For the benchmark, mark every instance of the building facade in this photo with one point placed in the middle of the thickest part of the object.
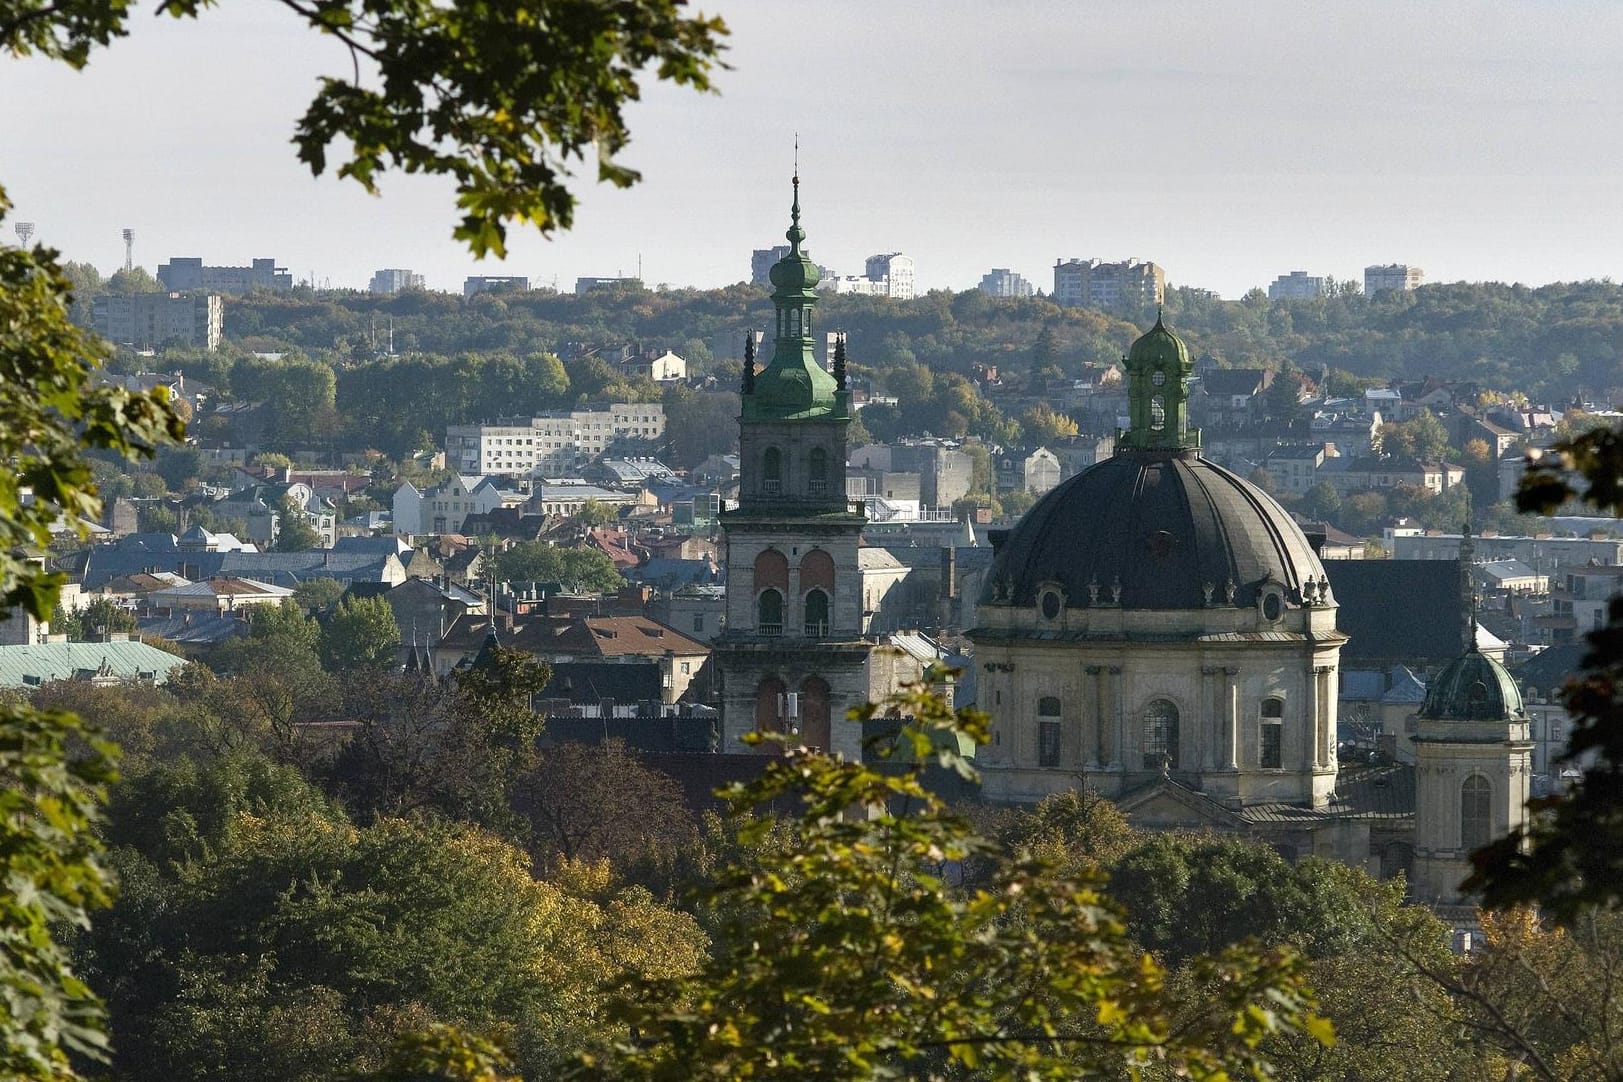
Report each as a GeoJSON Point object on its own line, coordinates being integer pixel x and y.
{"type": "Point", "coordinates": [896, 271]}
{"type": "Point", "coordinates": [793, 658]}
{"type": "Point", "coordinates": [152, 320]}
{"type": "Point", "coordinates": [1296, 286]}
{"type": "Point", "coordinates": [1002, 282]}
{"type": "Point", "coordinates": [394, 280]}
{"type": "Point", "coordinates": [1090, 283]}
{"type": "Point", "coordinates": [185, 274]}
{"type": "Point", "coordinates": [553, 444]}
{"type": "Point", "coordinates": [1390, 276]}
{"type": "Point", "coordinates": [494, 283]}
{"type": "Point", "coordinates": [1156, 619]}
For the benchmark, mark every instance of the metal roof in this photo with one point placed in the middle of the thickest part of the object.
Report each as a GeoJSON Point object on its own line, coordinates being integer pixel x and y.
{"type": "Point", "coordinates": [39, 663]}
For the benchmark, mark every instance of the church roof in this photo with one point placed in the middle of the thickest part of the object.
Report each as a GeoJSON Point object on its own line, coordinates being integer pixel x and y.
{"type": "Point", "coordinates": [1473, 687]}
{"type": "Point", "coordinates": [1397, 610]}
{"type": "Point", "coordinates": [1168, 527]}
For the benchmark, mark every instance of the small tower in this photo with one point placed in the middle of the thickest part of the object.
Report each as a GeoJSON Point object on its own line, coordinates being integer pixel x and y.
{"type": "Point", "coordinates": [1158, 370]}
{"type": "Point", "coordinates": [1473, 766]}
{"type": "Point", "coordinates": [794, 656]}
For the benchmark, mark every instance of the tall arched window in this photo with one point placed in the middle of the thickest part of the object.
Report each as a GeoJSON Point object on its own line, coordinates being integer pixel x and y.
{"type": "Point", "coordinates": [771, 569]}
{"type": "Point", "coordinates": [1158, 413]}
{"type": "Point", "coordinates": [1476, 812]}
{"type": "Point", "coordinates": [816, 613]}
{"type": "Point", "coordinates": [1161, 735]}
{"type": "Point", "coordinates": [1048, 731]}
{"type": "Point", "coordinates": [772, 472]}
{"type": "Point", "coordinates": [817, 472]}
{"type": "Point", "coordinates": [816, 729]}
{"type": "Point", "coordinates": [1271, 734]}
{"type": "Point", "coordinates": [769, 613]}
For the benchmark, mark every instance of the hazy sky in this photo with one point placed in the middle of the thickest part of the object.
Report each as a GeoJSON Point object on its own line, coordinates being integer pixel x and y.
{"type": "Point", "coordinates": [1227, 141]}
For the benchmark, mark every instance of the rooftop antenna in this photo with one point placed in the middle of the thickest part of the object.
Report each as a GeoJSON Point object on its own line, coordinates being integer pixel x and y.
{"type": "Point", "coordinates": [25, 230]}
{"type": "Point", "coordinates": [129, 250]}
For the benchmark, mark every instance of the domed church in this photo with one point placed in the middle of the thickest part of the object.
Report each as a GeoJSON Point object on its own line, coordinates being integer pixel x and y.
{"type": "Point", "coordinates": [1158, 630]}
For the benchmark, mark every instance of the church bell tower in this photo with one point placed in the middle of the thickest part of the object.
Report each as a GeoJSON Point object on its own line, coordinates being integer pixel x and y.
{"type": "Point", "coordinates": [793, 658]}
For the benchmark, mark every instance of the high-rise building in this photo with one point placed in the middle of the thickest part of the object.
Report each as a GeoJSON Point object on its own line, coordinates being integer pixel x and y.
{"type": "Point", "coordinates": [494, 283]}
{"type": "Point", "coordinates": [1389, 276]}
{"type": "Point", "coordinates": [1002, 282]}
{"type": "Point", "coordinates": [151, 320]}
{"type": "Point", "coordinates": [1295, 286]}
{"type": "Point", "coordinates": [895, 270]}
{"type": "Point", "coordinates": [762, 261]}
{"type": "Point", "coordinates": [1089, 283]}
{"type": "Point", "coordinates": [394, 281]}
{"type": "Point", "coordinates": [183, 274]}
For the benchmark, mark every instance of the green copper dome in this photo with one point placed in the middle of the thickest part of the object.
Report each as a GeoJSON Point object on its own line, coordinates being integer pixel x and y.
{"type": "Point", "coordinates": [1473, 688]}
{"type": "Point", "coordinates": [1159, 347]}
{"type": "Point", "coordinates": [794, 386]}
{"type": "Point", "coordinates": [1158, 393]}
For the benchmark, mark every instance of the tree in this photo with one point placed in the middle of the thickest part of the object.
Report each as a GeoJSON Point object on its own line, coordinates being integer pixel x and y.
{"type": "Point", "coordinates": [318, 595]}
{"type": "Point", "coordinates": [594, 513]}
{"type": "Point", "coordinates": [293, 530]}
{"type": "Point", "coordinates": [360, 634]}
{"type": "Point", "coordinates": [577, 569]}
{"type": "Point", "coordinates": [845, 954]}
{"type": "Point", "coordinates": [1043, 424]}
{"type": "Point", "coordinates": [500, 105]}
{"type": "Point", "coordinates": [177, 465]}
{"type": "Point", "coordinates": [599, 802]}
{"type": "Point", "coordinates": [134, 280]}
{"type": "Point", "coordinates": [96, 617]}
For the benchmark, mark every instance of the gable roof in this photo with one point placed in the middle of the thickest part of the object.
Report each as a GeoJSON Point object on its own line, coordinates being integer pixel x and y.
{"type": "Point", "coordinates": [1373, 593]}
{"type": "Point", "coordinates": [37, 663]}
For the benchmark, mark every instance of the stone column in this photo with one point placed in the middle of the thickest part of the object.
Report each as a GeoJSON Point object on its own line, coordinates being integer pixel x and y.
{"type": "Point", "coordinates": [1118, 751]}
{"type": "Point", "coordinates": [1093, 713]}
{"type": "Point", "coordinates": [1231, 702]}
{"type": "Point", "coordinates": [1311, 735]}
{"type": "Point", "coordinates": [1327, 738]}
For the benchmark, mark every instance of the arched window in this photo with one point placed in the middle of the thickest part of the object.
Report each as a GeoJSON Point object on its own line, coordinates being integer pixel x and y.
{"type": "Point", "coordinates": [816, 613]}
{"type": "Point", "coordinates": [1048, 731]}
{"type": "Point", "coordinates": [769, 703]}
{"type": "Point", "coordinates": [816, 729]}
{"type": "Point", "coordinates": [1161, 736]}
{"type": "Point", "coordinates": [772, 472]}
{"type": "Point", "coordinates": [817, 472]}
{"type": "Point", "coordinates": [769, 613]}
{"type": "Point", "coordinates": [1271, 734]}
{"type": "Point", "coordinates": [1476, 812]}
{"type": "Point", "coordinates": [1158, 413]}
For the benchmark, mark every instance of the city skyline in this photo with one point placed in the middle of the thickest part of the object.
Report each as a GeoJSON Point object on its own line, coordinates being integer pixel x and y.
{"type": "Point", "coordinates": [1229, 149]}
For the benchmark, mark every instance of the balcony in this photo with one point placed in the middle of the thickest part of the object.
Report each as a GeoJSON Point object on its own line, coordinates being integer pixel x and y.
{"type": "Point", "coordinates": [817, 630]}
{"type": "Point", "coordinates": [770, 630]}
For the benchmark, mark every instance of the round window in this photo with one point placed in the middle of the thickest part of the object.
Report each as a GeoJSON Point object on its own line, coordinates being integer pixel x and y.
{"type": "Point", "coordinates": [1158, 377]}
{"type": "Point", "coordinates": [1050, 605]}
{"type": "Point", "coordinates": [1272, 606]}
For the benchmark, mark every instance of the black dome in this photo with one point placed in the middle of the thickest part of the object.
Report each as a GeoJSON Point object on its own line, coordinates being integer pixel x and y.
{"type": "Point", "coordinates": [1473, 688]}
{"type": "Point", "coordinates": [1168, 526]}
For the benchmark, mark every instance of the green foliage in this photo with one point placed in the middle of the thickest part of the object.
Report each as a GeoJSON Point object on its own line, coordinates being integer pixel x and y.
{"type": "Point", "coordinates": [360, 634]}
{"type": "Point", "coordinates": [287, 620]}
{"type": "Point", "coordinates": [293, 530]}
{"type": "Point", "coordinates": [318, 595]}
{"type": "Point", "coordinates": [443, 1053]}
{"type": "Point", "coordinates": [177, 465]}
{"type": "Point", "coordinates": [264, 938]}
{"type": "Point", "coordinates": [97, 615]}
{"type": "Point", "coordinates": [579, 570]}
{"type": "Point", "coordinates": [846, 954]}
{"type": "Point", "coordinates": [49, 805]}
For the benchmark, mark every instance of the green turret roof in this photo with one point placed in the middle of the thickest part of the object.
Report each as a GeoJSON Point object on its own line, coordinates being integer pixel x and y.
{"type": "Point", "coordinates": [1158, 372]}
{"type": "Point", "coordinates": [1473, 687]}
{"type": "Point", "coordinates": [793, 386]}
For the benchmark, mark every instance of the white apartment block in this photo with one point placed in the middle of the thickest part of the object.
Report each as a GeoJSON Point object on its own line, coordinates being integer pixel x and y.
{"type": "Point", "coordinates": [1002, 282]}
{"type": "Point", "coordinates": [1296, 286]}
{"type": "Point", "coordinates": [394, 280]}
{"type": "Point", "coordinates": [896, 271]}
{"type": "Point", "coordinates": [1391, 276]}
{"type": "Point", "coordinates": [553, 444]}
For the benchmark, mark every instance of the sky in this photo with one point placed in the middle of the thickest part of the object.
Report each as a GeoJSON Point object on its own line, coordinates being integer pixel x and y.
{"type": "Point", "coordinates": [1230, 142]}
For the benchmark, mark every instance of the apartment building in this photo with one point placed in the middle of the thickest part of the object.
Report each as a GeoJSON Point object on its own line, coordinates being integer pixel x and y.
{"type": "Point", "coordinates": [151, 320]}
{"type": "Point", "coordinates": [184, 274]}
{"type": "Point", "coordinates": [553, 444]}
{"type": "Point", "coordinates": [1090, 283]}
{"type": "Point", "coordinates": [1390, 276]}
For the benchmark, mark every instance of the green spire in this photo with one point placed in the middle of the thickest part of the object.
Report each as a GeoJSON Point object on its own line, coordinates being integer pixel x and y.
{"type": "Point", "coordinates": [793, 385]}
{"type": "Point", "coordinates": [1158, 370]}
